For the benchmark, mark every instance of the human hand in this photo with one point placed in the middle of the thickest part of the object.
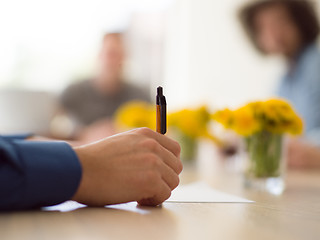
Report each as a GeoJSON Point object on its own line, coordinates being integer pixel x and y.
{"type": "Point", "coordinates": [302, 155]}
{"type": "Point", "coordinates": [139, 165]}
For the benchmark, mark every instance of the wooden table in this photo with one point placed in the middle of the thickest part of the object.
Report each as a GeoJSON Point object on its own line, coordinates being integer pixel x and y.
{"type": "Point", "coordinates": [294, 215]}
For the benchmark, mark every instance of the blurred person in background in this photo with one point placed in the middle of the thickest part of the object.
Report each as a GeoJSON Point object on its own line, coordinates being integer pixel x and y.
{"type": "Point", "coordinates": [290, 28]}
{"type": "Point", "coordinates": [92, 103]}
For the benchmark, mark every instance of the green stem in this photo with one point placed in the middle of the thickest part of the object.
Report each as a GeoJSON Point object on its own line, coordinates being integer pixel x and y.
{"type": "Point", "coordinates": [265, 153]}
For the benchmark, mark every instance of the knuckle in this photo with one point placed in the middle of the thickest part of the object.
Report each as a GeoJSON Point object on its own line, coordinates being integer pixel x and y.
{"type": "Point", "coordinates": [151, 176]}
{"type": "Point", "coordinates": [177, 147]}
{"type": "Point", "coordinates": [151, 144]}
{"type": "Point", "coordinates": [153, 161]}
{"type": "Point", "coordinates": [144, 131]}
{"type": "Point", "coordinates": [180, 166]}
{"type": "Point", "coordinates": [167, 195]}
{"type": "Point", "coordinates": [175, 183]}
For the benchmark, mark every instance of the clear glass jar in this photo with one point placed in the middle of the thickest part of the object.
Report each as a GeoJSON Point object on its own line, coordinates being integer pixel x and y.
{"type": "Point", "coordinates": [265, 162]}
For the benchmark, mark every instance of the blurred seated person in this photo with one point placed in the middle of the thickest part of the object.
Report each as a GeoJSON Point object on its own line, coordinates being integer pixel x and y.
{"type": "Point", "coordinates": [290, 28]}
{"type": "Point", "coordinates": [91, 103]}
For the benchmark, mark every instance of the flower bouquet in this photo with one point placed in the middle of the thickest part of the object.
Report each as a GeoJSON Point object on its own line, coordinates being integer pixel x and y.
{"type": "Point", "coordinates": [263, 125]}
{"type": "Point", "coordinates": [186, 125]}
{"type": "Point", "coordinates": [190, 125]}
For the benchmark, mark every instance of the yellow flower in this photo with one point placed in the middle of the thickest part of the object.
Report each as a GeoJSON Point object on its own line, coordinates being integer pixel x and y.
{"type": "Point", "coordinates": [256, 107]}
{"type": "Point", "coordinates": [245, 122]}
{"type": "Point", "coordinates": [242, 120]}
{"type": "Point", "coordinates": [191, 122]}
{"type": "Point", "coordinates": [280, 117]}
{"type": "Point", "coordinates": [224, 117]}
{"type": "Point", "coordinates": [273, 115]}
{"type": "Point", "coordinates": [296, 127]}
{"type": "Point", "coordinates": [136, 114]}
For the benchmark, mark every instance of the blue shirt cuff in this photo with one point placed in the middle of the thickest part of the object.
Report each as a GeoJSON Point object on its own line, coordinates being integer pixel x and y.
{"type": "Point", "coordinates": [52, 172]}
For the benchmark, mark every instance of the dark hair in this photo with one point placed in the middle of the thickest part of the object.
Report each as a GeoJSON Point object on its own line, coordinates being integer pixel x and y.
{"type": "Point", "coordinates": [302, 13]}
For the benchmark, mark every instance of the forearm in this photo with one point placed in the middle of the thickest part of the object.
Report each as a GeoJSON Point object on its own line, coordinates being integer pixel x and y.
{"type": "Point", "coordinates": [303, 154]}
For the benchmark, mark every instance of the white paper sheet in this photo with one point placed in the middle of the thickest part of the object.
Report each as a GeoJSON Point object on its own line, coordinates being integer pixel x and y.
{"type": "Point", "coordinates": [201, 192]}
{"type": "Point", "coordinates": [197, 192]}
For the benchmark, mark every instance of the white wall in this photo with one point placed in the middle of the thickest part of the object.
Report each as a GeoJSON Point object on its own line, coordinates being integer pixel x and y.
{"type": "Point", "coordinates": [44, 45]}
{"type": "Point", "coordinates": [209, 59]}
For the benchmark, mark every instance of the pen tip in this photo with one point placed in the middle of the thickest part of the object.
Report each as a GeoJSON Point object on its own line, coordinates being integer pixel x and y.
{"type": "Point", "coordinates": [159, 91]}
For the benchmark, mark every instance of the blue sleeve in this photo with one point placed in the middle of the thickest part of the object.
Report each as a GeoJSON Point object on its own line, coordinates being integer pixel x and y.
{"type": "Point", "coordinates": [36, 174]}
{"type": "Point", "coordinates": [312, 109]}
{"type": "Point", "coordinates": [17, 136]}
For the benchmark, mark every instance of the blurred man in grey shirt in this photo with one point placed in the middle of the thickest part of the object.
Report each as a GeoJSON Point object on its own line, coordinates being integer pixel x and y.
{"type": "Point", "coordinates": [92, 103]}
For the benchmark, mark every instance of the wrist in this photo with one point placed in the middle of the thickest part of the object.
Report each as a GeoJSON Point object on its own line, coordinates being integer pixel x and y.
{"type": "Point", "coordinates": [78, 193]}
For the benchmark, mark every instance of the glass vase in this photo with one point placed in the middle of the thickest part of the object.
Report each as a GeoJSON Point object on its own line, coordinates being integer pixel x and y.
{"type": "Point", "coordinates": [266, 162]}
{"type": "Point", "coordinates": [189, 146]}
{"type": "Point", "coordinates": [188, 149]}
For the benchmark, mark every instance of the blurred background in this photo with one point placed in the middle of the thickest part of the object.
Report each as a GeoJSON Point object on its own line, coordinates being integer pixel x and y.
{"type": "Point", "coordinates": [195, 49]}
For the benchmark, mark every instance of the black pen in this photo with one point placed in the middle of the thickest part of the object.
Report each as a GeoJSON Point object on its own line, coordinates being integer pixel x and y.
{"type": "Point", "coordinates": [161, 111]}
